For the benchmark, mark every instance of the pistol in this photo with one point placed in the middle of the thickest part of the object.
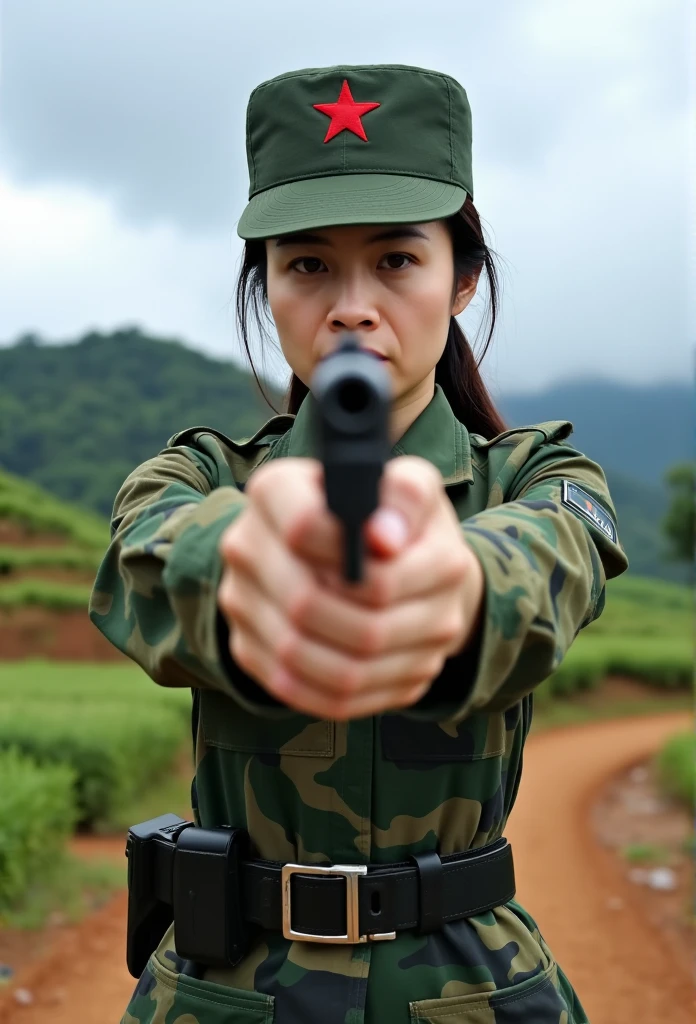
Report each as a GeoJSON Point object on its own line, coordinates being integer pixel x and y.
{"type": "Point", "coordinates": [352, 390]}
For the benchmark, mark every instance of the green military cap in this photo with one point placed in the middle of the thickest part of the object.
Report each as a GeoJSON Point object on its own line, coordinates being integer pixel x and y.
{"type": "Point", "coordinates": [364, 144]}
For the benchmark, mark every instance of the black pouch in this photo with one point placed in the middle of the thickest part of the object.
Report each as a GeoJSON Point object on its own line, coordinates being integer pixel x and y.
{"type": "Point", "coordinates": [150, 851]}
{"type": "Point", "coordinates": [179, 872]}
{"type": "Point", "coordinates": [209, 924]}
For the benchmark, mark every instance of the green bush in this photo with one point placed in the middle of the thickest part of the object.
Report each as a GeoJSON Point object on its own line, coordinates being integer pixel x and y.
{"type": "Point", "coordinates": [68, 557]}
{"type": "Point", "coordinates": [644, 607]}
{"type": "Point", "coordinates": [114, 750]}
{"type": "Point", "coordinates": [660, 661]}
{"type": "Point", "coordinates": [38, 511]}
{"type": "Point", "coordinates": [37, 680]}
{"type": "Point", "coordinates": [37, 815]}
{"type": "Point", "coordinates": [676, 767]}
{"type": "Point", "coordinates": [58, 596]}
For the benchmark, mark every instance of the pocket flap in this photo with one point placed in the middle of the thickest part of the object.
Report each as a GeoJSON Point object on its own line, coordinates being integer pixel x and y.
{"type": "Point", "coordinates": [227, 725]}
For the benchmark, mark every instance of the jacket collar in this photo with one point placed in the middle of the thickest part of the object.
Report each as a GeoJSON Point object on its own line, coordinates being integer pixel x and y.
{"type": "Point", "coordinates": [436, 434]}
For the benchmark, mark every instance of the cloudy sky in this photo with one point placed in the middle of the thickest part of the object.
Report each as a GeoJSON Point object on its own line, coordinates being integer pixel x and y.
{"type": "Point", "coordinates": [123, 169]}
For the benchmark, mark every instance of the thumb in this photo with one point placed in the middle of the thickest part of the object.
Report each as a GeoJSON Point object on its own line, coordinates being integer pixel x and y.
{"type": "Point", "coordinates": [409, 493]}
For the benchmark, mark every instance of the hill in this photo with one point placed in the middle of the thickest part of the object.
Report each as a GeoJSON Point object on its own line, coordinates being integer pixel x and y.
{"type": "Point", "coordinates": [636, 430]}
{"type": "Point", "coordinates": [77, 418]}
{"type": "Point", "coordinates": [49, 555]}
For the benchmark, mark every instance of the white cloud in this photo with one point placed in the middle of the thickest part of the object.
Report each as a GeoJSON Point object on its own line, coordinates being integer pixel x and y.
{"type": "Point", "coordinates": [67, 264]}
{"type": "Point", "coordinates": [581, 165]}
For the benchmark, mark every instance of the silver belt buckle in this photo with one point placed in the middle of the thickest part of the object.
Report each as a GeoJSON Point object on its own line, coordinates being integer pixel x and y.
{"type": "Point", "coordinates": [351, 873]}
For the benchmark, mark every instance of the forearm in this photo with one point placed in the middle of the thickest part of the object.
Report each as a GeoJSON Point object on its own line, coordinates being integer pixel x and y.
{"type": "Point", "coordinates": [155, 594]}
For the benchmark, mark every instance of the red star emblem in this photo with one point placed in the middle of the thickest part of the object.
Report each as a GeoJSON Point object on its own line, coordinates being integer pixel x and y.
{"type": "Point", "coordinates": [345, 114]}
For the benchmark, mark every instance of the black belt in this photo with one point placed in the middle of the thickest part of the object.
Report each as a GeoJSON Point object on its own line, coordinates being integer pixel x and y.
{"type": "Point", "coordinates": [204, 876]}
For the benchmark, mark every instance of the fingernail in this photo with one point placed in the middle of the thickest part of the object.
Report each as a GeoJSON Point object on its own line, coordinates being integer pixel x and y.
{"type": "Point", "coordinates": [392, 526]}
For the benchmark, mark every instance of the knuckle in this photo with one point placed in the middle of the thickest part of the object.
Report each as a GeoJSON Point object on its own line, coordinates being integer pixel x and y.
{"type": "Point", "coordinates": [450, 628]}
{"type": "Point", "coordinates": [237, 552]}
{"type": "Point", "coordinates": [381, 591]}
{"type": "Point", "coordinates": [459, 563]}
{"type": "Point", "coordinates": [228, 600]}
{"type": "Point", "coordinates": [261, 481]}
{"type": "Point", "coordinates": [432, 668]}
{"type": "Point", "coordinates": [372, 636]}
{"type": "Point", "coordinates": [347, 681]}
{"type": "Point", "coordinates": [288, 648]}
{"type": "Point", "coordinates": [240, 649]}
{"type": "Point", "coordinates": [412, 694]}
{"type": "Point", "coordinates": [301, 603]}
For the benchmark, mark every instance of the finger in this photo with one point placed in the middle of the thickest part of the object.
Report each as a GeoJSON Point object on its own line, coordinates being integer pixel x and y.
{"type": "Point", "coordinates": [247, 607]}
{"type": "Point", "coordinates": [251, 655]}
{"type": "Point", "coordinates": [289, 494]}
{"type": "Point", "coordinates": [300, 696]}
{"type": "Point", "coordinates": [365, 632]}
{"type": "Point", "coordinates": [410, 490]}
{"type": "Point", "coordinates": [437, 561]}
{"type": "Point", "coordinates": [258, 553]}
{"type": "Point", "coordinates": [345, 675]}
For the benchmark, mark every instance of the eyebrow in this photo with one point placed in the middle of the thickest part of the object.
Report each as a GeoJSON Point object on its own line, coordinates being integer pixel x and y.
{"type": "Point", "coordinates": [303, 238]}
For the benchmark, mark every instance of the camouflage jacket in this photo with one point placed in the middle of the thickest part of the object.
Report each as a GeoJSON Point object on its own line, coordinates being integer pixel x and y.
{"type": "Point", "coordinates": [444, 774]}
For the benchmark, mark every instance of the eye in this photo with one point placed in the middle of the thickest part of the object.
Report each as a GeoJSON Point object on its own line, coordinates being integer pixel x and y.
{"type": "Point", "coordinates": [308, 265]}
{"type": "Point", "coordinates": [396, 260]}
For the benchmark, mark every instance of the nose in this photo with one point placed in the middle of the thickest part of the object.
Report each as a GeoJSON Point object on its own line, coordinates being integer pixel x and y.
{"type": "Point", "coordinates": [352, 309]}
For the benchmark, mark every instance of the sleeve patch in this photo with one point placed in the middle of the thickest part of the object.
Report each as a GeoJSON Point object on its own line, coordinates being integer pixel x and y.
{"type": "Point", "coordinates": [581, 502]}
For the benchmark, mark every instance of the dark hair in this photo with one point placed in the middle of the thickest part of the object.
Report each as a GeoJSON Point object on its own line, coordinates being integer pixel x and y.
{"type": "Point", "coordinates": [457, 369]}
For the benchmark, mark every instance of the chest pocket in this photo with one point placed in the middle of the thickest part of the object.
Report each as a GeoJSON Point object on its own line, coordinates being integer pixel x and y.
{"type": "Point", "coordinates": [479, 736]}
{"type": "Point", "coordinates": [227, 725]}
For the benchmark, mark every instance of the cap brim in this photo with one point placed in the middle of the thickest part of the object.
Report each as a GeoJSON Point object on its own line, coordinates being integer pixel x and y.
{"type": "Point", "coordinates": [348, 199]}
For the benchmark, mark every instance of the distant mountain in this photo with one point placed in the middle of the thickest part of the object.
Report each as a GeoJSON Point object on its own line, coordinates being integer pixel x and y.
{"type": "Point", "coordinates": [77, 418]}
{"type": "Point", "coordinates": [640, 508]}
{"type": "Point", "coordinates": [637, 431]}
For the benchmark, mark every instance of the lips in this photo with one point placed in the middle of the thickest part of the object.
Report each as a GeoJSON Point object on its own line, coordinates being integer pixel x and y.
{"type": "Point", "coordinates": [374, 353]}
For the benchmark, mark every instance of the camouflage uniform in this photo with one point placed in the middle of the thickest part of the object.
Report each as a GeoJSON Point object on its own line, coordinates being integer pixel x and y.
{"type": "Point", "coordinates": [442, 775]}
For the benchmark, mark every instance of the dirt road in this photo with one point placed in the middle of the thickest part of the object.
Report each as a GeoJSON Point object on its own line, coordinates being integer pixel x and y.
{"type": "Point", "coordinates": [617, 964]}
{"type": "Point", "coordinates": [620, 971]}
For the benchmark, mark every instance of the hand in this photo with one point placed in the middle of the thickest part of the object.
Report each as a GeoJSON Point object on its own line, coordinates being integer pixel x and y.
{"type": "Point", "coordinates": [339, 650]}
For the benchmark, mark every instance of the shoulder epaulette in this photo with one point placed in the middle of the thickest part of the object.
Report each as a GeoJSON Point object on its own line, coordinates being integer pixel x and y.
{"type": "Point", "coordinates": [275, 427]}
{"type": "Point", "coordinates": [553, 430]}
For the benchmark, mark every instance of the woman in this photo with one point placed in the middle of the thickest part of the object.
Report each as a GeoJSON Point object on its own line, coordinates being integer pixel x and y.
{"type": "Point", "coordinates": [380, 725]}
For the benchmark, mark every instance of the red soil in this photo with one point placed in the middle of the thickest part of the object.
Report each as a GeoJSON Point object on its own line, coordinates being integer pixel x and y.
{"type": "Point", "coordinates": [34, 632]}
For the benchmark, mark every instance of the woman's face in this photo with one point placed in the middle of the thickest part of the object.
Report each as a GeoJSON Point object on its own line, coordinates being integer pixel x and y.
{"type": "Point", "coordinates": [393, 286]}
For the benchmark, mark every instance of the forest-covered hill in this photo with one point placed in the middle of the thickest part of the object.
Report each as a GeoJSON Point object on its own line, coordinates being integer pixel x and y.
{"type": "Point", "coordinates": [77, 418]}
{"type": "Point", "coordinates": [636, 430]}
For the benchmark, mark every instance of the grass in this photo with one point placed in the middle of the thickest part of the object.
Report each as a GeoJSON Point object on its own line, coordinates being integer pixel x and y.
{"type": "Point", "coordinates": [578, 710]}
{"type": "Point", "coordinates": [644, 607]}
{"type": "Point", "coordinates": [172, 793]}
{"type": "Point", "coordinates": [662, 661]}
{"type": "Point", "coordinates": [37, 679]}
{"type": "Point", "coordinates": [39, 512]}
{"type": "Point", "coordinates": [68, 557]}
{"type": "Point", "coordinates": [645, 853]}
{"type": "Point", "coordinates": [72, 887]}
{"type": "Point", "coordinates": [45, 594]}
{"type": "Point", "coordinates": [676, 768]}
{"type": "Point", "coordinates": [120, 731]}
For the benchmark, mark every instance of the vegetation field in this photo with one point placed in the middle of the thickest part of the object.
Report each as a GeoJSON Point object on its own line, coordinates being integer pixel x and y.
{"type": "Point", "coordinates": [676, 768]}
{"type": "Point", "coordinates": [645, 632]}
{"type": "Point", "coordinates": [81, 746]}
{"type": "Point", "coordinates": [38, 511]}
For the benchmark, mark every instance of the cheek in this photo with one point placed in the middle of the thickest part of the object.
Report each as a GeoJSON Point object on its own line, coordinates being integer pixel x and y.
{"type": "Point", "coordinates": [423, 318]}
{"type": "Point", "coordinates": [294, 322]}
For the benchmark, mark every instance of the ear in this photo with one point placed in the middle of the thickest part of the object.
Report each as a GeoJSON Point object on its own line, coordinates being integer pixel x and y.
{"type": "Point", "coordinates": [466, 289]}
